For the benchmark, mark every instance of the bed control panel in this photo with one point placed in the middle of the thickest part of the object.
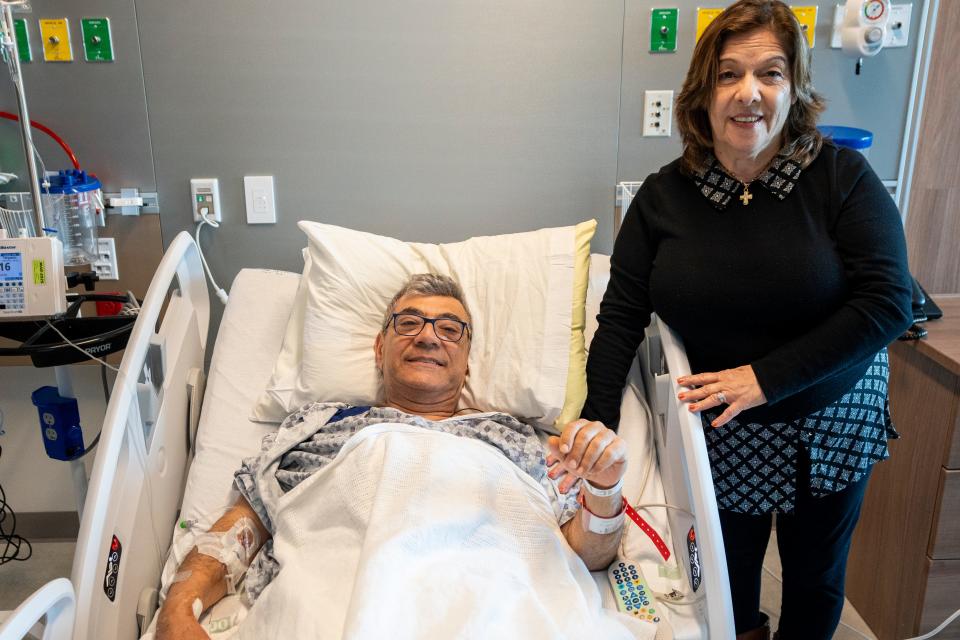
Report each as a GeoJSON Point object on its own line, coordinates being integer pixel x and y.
{"type": "Point", "coordinates": [632, 592]}
{"type": "Point", "coordinates": [113, 569]}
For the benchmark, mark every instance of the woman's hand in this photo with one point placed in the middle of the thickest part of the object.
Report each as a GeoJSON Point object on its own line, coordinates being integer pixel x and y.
{"type": "Point", "coordinates": [587, 450]}
{"type": "Point", "coordinates": [737, 388]}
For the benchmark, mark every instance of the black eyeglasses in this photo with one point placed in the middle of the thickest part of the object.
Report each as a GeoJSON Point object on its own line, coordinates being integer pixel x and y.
{"type": "Point", "coordinates": [447, 329]}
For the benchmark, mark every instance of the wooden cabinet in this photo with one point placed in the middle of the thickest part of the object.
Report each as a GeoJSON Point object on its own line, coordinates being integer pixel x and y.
{"type": "Point", "coordinates": [903, 575]}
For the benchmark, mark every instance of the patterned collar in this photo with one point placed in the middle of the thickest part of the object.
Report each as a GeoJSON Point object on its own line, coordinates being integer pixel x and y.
{"type": "Point", "coordinates": [719, 187]}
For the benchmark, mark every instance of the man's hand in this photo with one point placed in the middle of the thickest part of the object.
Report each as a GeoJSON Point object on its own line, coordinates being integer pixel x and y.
{"type": "Point", "coordinates": [587, 450]}
{"type": "Point", "coordinates": [177, 622]}
{"type": "Point", "coordinates": [737, 388]}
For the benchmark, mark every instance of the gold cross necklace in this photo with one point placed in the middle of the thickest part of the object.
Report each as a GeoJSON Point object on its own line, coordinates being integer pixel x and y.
{"type": "Point", "coordinates": [746, 196]}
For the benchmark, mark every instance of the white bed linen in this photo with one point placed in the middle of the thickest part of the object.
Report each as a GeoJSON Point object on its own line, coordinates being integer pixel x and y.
{"type": "Point", "coordinates": [475, 554]}
{"type": "Point", "coordinates": [248, 343]}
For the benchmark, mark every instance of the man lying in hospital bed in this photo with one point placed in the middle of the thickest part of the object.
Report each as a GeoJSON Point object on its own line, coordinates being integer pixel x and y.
{"type": "Point", "coordinates": [413, 519]}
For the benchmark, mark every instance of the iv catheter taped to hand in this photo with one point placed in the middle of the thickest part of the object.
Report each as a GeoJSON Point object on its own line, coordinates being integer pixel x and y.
{"type": "Point", "coordinates": [234, 549]}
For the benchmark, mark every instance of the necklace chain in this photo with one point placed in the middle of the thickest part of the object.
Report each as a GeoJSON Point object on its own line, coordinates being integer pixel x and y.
{"type": "Point", "coordinates": [746, 196]}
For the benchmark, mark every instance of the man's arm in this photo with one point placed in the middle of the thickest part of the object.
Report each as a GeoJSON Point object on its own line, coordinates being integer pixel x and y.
{"type": "Point", "coordinates": [597, 550]}
{"type": "Point", "coordinates": [591, 452]}
{"type": "Point", "coordinates": [203, 577]}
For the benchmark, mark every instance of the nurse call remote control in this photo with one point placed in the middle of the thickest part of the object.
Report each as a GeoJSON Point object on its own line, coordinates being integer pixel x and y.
{"type": "Point", "coordinates": [632, 592]}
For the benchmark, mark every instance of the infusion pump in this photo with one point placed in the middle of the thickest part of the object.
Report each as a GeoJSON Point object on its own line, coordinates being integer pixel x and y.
{"type": "Point", "coordinates": [32, 282]}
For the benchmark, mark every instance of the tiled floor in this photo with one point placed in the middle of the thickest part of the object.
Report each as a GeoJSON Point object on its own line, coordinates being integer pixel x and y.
{"type": "Point", "coordinates": [852, 626]}
{"type": "Point", "coordinates": [53, 559]}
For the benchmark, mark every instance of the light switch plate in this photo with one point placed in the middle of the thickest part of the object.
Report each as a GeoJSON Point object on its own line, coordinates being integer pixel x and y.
{"type": "Point", "coordinates": [261, 201]}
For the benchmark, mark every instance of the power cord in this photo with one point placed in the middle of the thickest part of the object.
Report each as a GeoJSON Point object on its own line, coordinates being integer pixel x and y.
{"type": "Point", "coordinates": [674, 598]}
{"type": "Point", "coordinates": [106, 400]}
{"type": "Point", "coordinates": [79, 348]}
{"type": "Point", "coordinates": [204, 220]}
{"type": "Point", "coordinates": [10, 541]}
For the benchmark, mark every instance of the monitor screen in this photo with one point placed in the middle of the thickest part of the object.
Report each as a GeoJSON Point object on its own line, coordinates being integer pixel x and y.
{"type": "Point", "coordinates": [11, 266]}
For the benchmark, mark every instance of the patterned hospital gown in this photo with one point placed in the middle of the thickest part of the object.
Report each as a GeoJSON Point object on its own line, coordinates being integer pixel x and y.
{"type": "Point", "coordinates": [517, 441]}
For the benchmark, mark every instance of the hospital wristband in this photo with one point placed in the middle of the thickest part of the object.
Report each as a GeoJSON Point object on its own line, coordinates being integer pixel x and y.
{"type": "Point", "coordinates": [596, 524]}
{"type": "Point", "coordinates": [603, 493]}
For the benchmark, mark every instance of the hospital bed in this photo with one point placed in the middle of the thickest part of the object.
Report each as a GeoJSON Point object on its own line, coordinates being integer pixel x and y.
{"type": "Point", "coordinates": [165, 467]}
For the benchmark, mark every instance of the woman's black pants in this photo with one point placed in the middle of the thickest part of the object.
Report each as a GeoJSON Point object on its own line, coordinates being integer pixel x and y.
{"type": "Point", "coordinates": [813, 542]}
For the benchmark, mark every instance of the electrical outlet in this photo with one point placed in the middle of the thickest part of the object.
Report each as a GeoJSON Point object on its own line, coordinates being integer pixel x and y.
{"type": "Point", "coordinates": [657, 113]}
{"type": "Point", "coordinates": [106, 264]}
{"type": "Point", "coordinates": [205, 196]}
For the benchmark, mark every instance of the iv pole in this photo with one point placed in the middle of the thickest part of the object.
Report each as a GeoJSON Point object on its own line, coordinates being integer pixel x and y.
{"type": "Point", "coordinates": [11, 53]}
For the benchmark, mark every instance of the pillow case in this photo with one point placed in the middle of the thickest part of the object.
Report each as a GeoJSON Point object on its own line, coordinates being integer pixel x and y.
{"type": "Point", "coordinates": [274, 403]}
{"type": "Point", "coordinates": [528, 324]}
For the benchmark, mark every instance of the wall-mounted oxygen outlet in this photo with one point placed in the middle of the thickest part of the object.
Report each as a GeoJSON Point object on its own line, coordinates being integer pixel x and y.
{"type": "Point", "coordinates": [205, 198]}
{"type": "Point", "coordinates": [898, 26]}
{"type": "Point", "coordinates": [106, 263]}
{"type": "Point", "coordinates": [657, 113]}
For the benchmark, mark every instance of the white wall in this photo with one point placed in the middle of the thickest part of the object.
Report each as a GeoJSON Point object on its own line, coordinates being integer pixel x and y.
{"type": "Point", "coordinates": [32, 481]}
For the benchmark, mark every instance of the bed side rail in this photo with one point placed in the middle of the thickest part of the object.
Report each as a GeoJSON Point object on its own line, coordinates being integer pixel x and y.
{"type": "Point", "coordinates": [683, 454]}
{"type": "Point", "coordinates": [139, 472]}
{"type": "Point", "coordinates": [55, 602]}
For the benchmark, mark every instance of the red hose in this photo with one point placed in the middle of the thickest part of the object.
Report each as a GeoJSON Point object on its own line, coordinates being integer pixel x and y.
{"type": "Point", "coordinates": [50, 132]}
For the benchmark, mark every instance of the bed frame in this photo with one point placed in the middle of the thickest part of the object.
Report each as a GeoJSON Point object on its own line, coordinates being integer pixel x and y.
{"type": "Point", "coordinates": [139, 473]}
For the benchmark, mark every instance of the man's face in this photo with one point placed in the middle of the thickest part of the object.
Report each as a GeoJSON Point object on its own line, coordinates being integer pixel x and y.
{"type": "Point", "coordinates": [424, 367]}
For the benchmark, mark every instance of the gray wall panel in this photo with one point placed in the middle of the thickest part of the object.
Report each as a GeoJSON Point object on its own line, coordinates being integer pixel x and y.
{"type": "Point", "coordinates": [877, 99]}
{"type": "Point", "coordinates": [98, 108]}
{"type": "Point", "coordinates": [430, 121]}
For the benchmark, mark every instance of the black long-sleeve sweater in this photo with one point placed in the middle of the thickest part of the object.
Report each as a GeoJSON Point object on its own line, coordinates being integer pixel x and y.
{"type": "Point", "coordinates": [806, 290]}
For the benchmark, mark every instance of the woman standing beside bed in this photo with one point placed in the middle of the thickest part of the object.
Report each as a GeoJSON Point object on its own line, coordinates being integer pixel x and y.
{"type": "Point", "coordinates": [780, 261]}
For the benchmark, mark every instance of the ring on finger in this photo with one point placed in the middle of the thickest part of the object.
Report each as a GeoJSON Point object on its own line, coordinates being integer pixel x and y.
{"type": "Point", "coordinates": [721, 397]}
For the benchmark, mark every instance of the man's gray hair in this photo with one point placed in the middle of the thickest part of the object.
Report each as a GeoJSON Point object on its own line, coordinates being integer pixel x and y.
{"type": "Point", "coordinates": [427, 284]}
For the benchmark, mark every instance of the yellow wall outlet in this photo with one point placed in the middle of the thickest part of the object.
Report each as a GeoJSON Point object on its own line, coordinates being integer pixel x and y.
{"type": "Point", "coordinates": [808, 20]}
{"type": "Point", "coordinates": [704, 17]}
{"type": "Point", "coordinates": [56, 40]}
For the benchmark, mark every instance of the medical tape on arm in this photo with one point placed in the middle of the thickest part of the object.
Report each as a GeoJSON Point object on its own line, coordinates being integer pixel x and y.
{"type": "Point", "coordinates": [234, 549]}
{"type": "Point", "coordinates": [182, 576]}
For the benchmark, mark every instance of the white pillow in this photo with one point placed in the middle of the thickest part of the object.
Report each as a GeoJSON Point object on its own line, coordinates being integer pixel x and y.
{"type": "Point", "coordinates": [519, 290]}
{"type": "Point", "coordinates": [273, 403]}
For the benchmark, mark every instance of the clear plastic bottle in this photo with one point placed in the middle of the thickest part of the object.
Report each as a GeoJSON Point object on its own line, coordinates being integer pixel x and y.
{"type": "Point", "coordinates": [69, 207]}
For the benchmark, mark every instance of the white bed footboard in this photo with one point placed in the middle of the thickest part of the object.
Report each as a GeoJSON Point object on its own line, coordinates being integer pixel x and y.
{"type": "Point", "coordinates": [138, 476]}
{"type": "Point", "coordinates": [685, 472]}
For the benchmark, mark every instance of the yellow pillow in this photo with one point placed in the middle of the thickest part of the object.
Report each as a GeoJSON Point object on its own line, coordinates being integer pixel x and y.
{"type": "Point", "coordinates": [577, 369]}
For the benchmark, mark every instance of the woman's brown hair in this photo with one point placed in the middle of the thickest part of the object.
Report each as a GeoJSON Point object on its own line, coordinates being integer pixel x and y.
{"type": "Point", "coordinates": [802, 141]}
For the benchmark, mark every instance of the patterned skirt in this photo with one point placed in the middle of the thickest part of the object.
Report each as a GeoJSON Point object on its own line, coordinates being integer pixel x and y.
{"type": "Point", "coordinates": [754, 465]}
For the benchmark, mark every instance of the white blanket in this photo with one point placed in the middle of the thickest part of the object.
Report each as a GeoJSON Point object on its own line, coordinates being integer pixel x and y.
{"type": "Point", "coordinates": [412, 533]}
